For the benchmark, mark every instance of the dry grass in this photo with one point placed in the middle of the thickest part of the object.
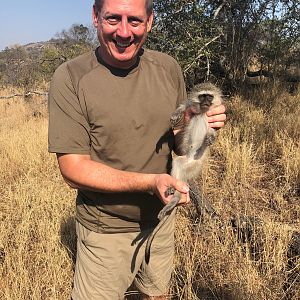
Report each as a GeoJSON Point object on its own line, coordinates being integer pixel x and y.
{"type": "Point", "coordinates": [254, 174]}
{"type": "Point", "coordinates": [35, 207]}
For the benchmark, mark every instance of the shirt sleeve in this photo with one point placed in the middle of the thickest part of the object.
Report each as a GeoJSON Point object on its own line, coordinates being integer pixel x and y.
{"type": "Point", "coordinates": [179, 82]}
{"type": "Point", "coordinates": [68, 130]}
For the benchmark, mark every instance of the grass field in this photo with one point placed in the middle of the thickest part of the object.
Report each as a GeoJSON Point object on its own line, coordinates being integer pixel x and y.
{"type": "Point", "coordinates": [252, 180]}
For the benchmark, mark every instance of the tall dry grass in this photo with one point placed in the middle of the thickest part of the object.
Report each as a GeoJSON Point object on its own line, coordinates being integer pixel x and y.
{"type": "Point", "coordinates": [36, 207]}
{"type": "Point", "coordinates": [253, 175]}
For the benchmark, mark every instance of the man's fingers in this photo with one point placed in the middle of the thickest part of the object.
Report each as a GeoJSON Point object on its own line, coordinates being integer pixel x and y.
{"type": "Point", "coordinates": [216, 116]}
{"type": "Point", "coordinates": [185, 199]}
{"type": "Point", "coordinates": [163, 183]}
{"type": "Point", "coordinates": [181, 186]}
{"type": "Point", "coordinates": [217, 110]}
{"type": "Point", "coordinates": [216, 125]}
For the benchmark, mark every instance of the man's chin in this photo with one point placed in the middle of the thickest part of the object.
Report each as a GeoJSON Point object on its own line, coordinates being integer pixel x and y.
{"type": "Point", "coordinates": [124, 59]}
{"type": "Point", "coordinates": [123, 55]}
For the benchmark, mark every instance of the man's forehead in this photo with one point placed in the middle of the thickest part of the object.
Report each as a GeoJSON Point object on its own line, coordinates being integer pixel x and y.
{"type": "Point", "coordinates": [130, 4]}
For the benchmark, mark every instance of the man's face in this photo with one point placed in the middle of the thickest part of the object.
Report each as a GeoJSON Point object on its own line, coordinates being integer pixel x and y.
{"type": "Point", "coordinates": [122, 27]}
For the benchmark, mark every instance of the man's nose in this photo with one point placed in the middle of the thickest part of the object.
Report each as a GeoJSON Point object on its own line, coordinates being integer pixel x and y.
{"type": "Point", "coordinates": [124, 29]}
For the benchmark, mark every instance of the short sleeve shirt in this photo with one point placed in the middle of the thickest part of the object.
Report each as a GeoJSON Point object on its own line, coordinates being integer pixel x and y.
{"type": "Point", "coordinates": [120, 118]}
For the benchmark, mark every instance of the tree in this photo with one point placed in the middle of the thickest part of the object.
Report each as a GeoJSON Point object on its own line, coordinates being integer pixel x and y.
{"type": "Point", "coordinates": [18, 67]}
{"type": "Point", "coordinates": [185, 30]}
{"type": "Point", "coordinates": [218, 39]}
{"type": "Point", "coordinates": [66, 45]}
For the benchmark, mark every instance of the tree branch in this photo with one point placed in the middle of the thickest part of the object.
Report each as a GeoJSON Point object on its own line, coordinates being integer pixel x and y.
{"type": "Point", "coordinates": [200, 54]}
{"type": "Point", "coordinates": [25, 95]}
{"type": "Point", "coordinates": [216, 12]}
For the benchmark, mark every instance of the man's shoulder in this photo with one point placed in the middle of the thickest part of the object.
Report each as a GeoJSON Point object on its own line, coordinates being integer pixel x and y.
{"type": "Point", "coordinates": [78, 66]}
{"type": "Point", "coordinates": [160, 59]}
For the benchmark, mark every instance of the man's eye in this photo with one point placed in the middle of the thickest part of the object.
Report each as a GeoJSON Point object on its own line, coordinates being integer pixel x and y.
{"type": "Point", "coordinates": [112, 20]}
{"type": "Point", "coordinates": [134, 22]}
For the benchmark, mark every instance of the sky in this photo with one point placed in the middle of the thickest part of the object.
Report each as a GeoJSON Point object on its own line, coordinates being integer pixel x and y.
{"type": "Point", "coordinates": [26, 21]}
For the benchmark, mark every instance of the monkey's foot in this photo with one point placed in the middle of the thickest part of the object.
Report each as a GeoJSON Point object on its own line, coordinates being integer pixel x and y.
{"type": "Point", "coordinates": [210, 139]}
{"type": "Point", "coordinates": [170, 191]}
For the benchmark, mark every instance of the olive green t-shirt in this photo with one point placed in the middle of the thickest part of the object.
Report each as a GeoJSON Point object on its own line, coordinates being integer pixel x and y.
{"type": "Point", "coordinates": [120, 118]}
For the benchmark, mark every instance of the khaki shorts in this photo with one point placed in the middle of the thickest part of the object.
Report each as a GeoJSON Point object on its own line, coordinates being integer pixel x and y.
{"type": "Point", "coordinates": [107, 264]}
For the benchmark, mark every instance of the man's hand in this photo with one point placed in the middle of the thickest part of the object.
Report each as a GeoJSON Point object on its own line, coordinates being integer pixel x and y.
{"type": "Point", "coordinates": [164, 181]}
{"type": "Point", "coordinates": [80, 172]}
{"type": "Point", "coordinates": [216, 117]}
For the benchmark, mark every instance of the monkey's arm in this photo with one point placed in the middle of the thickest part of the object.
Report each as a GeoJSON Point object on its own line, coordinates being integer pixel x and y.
{"type": "Point", "coordinates": [81, 172]}
{"type": "Point", "coordinates": [179, 120]}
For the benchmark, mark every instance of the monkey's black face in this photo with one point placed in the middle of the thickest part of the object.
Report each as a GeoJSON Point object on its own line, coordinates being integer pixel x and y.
{"type": "Point", "coordinates": [205, 101]}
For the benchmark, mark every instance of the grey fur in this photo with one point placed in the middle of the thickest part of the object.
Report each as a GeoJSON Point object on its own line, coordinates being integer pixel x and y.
{"type": "Point", "coordinates": [193, 145]}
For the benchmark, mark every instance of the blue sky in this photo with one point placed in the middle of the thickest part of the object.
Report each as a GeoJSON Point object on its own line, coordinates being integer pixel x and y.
{"type": "Point", "coordinates": [25, 21]}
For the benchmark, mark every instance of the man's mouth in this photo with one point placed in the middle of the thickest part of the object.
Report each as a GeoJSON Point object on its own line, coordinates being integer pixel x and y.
{"type": "Point", "coordinates": [123, 44]}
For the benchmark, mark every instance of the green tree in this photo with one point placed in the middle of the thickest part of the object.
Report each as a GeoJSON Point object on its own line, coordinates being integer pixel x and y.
{"type": "Point", "coordinates": [218, 39]}
{"type": "Point", "coordinates": [185, 30]}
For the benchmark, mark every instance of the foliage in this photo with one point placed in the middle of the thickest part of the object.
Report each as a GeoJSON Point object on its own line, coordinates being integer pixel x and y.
{"type": "Point", "coordinates": [220, 39]}
{"type": "Point", "coordinates": [185, 30]}
{"type": "Point", "coordinates": [280, 42]}
{"type": "Point", "coordinates": [27, 66]}
{"type": "Point", "coordinates": [17, 67]}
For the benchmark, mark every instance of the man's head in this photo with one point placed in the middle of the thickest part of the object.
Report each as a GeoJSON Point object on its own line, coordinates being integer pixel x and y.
{"type": "Point", "coordinates": [122, 27]}
{"type": "Point", "coordinates": [149, 6]}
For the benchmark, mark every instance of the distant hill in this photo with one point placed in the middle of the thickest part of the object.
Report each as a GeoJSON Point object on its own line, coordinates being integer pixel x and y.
{"type": "Point", "coordinates": [35, 48]}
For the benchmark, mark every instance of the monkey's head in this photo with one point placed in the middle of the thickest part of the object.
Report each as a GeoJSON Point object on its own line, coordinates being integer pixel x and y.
{"type": "Point", "coordinates": [206, 95]}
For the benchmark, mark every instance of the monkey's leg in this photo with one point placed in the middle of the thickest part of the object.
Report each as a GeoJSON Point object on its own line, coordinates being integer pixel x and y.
{"type": "Point", "coordinates": [208, 141]}
{"type": "Point", "coordinates": [202, 205]}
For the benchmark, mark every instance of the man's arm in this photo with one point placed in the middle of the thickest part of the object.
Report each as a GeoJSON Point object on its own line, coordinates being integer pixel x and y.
{"type": "Point", "coordinates": [80, 172]}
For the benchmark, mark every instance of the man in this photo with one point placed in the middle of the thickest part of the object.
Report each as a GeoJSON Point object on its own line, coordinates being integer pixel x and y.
{"type": "Point", "coordinates": [109, 116]}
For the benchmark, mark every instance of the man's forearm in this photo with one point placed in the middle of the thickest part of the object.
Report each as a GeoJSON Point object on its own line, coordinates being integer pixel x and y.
{"type": "Point", "coordinates": [84, 173]}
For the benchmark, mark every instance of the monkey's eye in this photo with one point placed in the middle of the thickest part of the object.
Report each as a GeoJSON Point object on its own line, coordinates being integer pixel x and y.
{"type": "Point", "coordinates": [205, 98]}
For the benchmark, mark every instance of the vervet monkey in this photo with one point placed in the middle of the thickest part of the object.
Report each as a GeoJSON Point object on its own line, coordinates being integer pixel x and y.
{"type": "Point", "coordinates": [192, 143]}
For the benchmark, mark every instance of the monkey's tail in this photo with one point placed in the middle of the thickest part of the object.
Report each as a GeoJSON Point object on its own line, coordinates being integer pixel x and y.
{"type": "Point", "coordinates": [163, 216]}
{"type": "Point", "coordinates": [168, 208]}
{"type": "Point", "coordinates": [151, 237]}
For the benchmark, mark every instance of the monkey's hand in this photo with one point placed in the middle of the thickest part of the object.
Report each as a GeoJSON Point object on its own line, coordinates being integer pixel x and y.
{"type": "Point", "coordinates": [210, 139]}
{"type": "Point", "coordinates": [184, 113]}
{"type": "Point", "coordinates": [177, 118]}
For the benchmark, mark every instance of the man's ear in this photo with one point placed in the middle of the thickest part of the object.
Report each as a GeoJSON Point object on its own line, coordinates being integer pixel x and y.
{"type": "Point", "coordinates": [149, 22]}
{"type": "Point", "coordinates": [95, 14]}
